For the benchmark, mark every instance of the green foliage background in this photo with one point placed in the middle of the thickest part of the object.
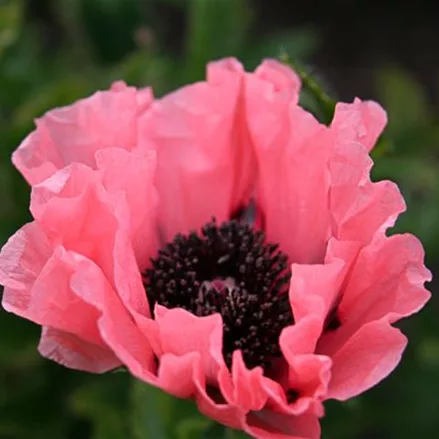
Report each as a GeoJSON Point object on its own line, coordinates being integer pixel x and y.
{"type": "Point", "coordinates": [83, 45]}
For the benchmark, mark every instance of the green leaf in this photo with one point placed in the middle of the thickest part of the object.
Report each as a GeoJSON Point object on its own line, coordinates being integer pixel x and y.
{"type": "Point", "coordinates": [323, 103]}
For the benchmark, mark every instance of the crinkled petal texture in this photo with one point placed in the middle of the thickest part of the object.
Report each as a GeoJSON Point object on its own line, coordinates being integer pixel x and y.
{"type": "Point", "coordinates": [74, 134]}
{"type": "Point", "coordinates": [320, 174]}
{"type": "Point", "coordinates": [369, 288]}
{"type": "Point", "coordinates": [116, 175]}
{"type": "Point", "coordinates": [205, 164]}
{"type": "Point", "coordinates": [385, 284]}
{"type": "Point", "coordinates": [331, 220]}
{"type": "Point", "coordinates": [74, 267]}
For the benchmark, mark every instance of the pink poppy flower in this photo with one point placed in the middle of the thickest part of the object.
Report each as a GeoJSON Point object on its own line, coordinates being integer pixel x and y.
{"type": "Point", "coordinates": [284, 300]}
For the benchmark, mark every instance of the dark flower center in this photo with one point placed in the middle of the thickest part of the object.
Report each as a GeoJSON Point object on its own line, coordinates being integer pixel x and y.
{"type": "Point", "coordinates": [231, 270]}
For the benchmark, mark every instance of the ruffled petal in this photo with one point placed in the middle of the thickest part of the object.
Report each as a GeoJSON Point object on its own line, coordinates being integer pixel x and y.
{"type": "Point", "coordinates": [226, 414]}
{"type": "Point", "coordinates": [116, 325]}
{"type": "Point", "coordinates": [37, 287]}
{"type": "Point", "coordinates": [393, 284]}
{"type": "Point", "coordinates": [320, 283]}
{"type": "Point", "coordinates": [314, 291]}
{"type": "Point", "coordinates": [101, 230]}
{"type": "Point", "coordinates": [282, 77]}
{"type": "Point", "coordinates": [365, 359]}
{"type": "Point", "coordinates": [320, 174]}
{"type": "Point", "coordinates": [360, 208]}
{"type": "Point", "coordinates": [37, 301]}
{"type": "Point", "coordinates": [271, 425]}
{"type": "Point", "coordinates": [243, 387]}
{"type": "Point", "coordinates": [204, 163]}
{"type": "Point", "coordinates": [74, 133]}
{"type": "Point", "coordinates": [133, 173]}
{"type": "Point", "coordinates": [180, 332]}
{"type": "Point", "coordinates": [361, 121]}
{"type": "Point", "coordinates": [270, 92]}
{"type": "Point", "coordinates": [292, 149]}
{"type": "Point", "coordinates": [308, 374]}
{"type": "Point", "coordinates": [70, 351]}
{"type": "Point", "coordinates": [38, 273]}
{"type": "Point", "coordinates": [193, 379]}
{"type": "Point", "coordinates": [386, 283]}
{"type": "Point", "coordinates": [176, 374]}
{"type": "Point", "coordinates": [53, 303]}
{"type": "Point", "coordinates": [21, 260]}
{"type": "Point", "coordinates": [75, 193]}
{"type": "Point", "coordinates": [183, 374]}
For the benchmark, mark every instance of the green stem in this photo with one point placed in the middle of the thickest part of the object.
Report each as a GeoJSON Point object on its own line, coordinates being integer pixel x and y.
{"type": "Point", "coordinates": [325, 103]}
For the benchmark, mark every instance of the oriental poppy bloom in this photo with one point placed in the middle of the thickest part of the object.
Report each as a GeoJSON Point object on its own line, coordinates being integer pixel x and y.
{"type": "Point", "coordinates": [220, 243]}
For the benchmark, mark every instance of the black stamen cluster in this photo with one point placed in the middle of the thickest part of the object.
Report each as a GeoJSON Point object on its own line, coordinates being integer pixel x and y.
{"type": "Point", "coordinates": [253, 300]}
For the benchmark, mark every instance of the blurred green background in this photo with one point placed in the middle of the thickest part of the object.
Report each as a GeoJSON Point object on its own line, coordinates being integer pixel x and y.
{"type": "Point", "coordinates": [53, 52]}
